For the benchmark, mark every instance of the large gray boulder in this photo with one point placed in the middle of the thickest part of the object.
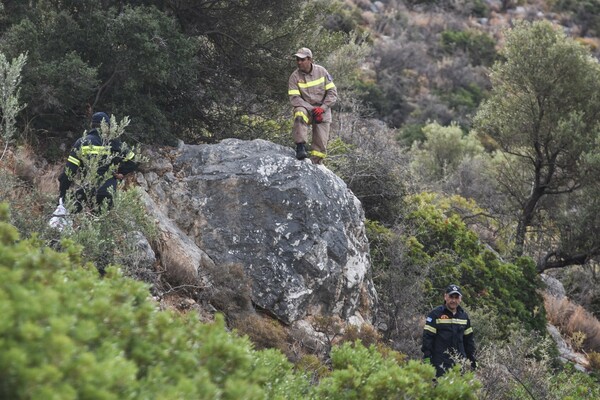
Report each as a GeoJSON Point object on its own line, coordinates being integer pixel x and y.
{"type": "Point", "coordinates": [294, 227]}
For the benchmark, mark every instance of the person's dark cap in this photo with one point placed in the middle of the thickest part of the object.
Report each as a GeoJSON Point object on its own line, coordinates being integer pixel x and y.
{"type": "Point", "coordinates": [98, 117]}
{"type": "Point", "coordinates": [451, 289]}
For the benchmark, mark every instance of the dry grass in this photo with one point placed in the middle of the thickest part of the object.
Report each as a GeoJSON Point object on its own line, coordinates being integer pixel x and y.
{"type": "Point", "coordinates": [264, 332]}
{"type": "Point", "coordinates": [230, 290]}
{"type": "Point", "coordinates": [594, 359]}
{"type": "Point", "coordinates": [575, 322]}
{"type": "Point", "coordinates": [367, 334]}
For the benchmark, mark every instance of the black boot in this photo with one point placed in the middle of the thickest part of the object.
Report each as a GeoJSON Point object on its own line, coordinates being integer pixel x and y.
{"type": "Point", "coordinates": [301, 153]}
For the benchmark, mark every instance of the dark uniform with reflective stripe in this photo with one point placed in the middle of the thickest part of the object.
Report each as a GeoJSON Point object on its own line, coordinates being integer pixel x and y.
{"type": "Point", "coordinates": [447, 334]}
{"type": "Point", "coordinates": [112, 153]}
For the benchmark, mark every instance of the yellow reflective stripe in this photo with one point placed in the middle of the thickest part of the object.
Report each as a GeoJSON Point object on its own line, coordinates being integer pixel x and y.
{"type": "Point", "coordinates": [319, 81]}
{"type": "Point", "coordinates": [97, 150]}
{"type": "Point", "coordinates": [468, 331]}
{"type": "Point", "coordinates": [330, 85]}
{"type": "Point", "coordinates": [317, 154]}
{"type": "Point", "coordinates": [130, 156]}
{"type": "Point", "coordinates": [451, 321]}
{"type": "Point", "coordinates": [293, 92]}
{"type": "Point", "coordinates": [74, 160]}
{"type": "Point", "coordinates": [430, 329]}
{"type": "Point", "coordinates": [301, 114]}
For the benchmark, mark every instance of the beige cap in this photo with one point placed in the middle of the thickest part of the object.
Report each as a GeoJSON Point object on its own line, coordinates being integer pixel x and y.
{"type": "Point", "coordinates": [303, 53]}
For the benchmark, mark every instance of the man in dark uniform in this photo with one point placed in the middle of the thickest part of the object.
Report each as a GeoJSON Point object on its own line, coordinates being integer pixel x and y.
{"type": "Point", "coordinates": [448, 333]}
{"type": "Point", "coordinates": [111, 159]}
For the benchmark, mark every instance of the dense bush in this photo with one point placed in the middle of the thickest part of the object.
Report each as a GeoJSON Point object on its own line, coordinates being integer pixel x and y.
{"type": "Point", "coordinates": [442, 151]}
{"type": "Point", "coordinates": [66, 333]}
{"type": "Point", "coordinates": [364, 373]}
{"type": "Point", "coordinates": [429, 247]}
{"type": "Point", "coordinates": [480, 47]}
{"type": "Point", "coordinates": [523, 366]}
{"type": "Point", "coordinates": [440, 236]}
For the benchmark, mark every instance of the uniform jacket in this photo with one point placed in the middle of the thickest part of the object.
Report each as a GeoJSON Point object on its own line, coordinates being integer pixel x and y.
{"type": "Point", "coordinates": [314, 89]}
{"type": "Point", "coordinates": [112, 153]}
{"type": "Point", "coordinates": [445, 333]}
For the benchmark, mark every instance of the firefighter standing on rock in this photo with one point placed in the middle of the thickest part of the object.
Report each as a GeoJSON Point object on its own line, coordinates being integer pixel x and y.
{"type": "Point", "coordinates": [312, 93]}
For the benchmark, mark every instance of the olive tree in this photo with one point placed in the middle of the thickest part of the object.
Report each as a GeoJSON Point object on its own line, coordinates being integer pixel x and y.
{"type": "Point", "coordinates": [544, 115]}
{"type": "Point", "coordinates": [10, 79]}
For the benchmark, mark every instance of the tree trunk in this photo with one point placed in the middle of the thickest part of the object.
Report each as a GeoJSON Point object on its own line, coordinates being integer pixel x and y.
{"type": "Point", "coordinates": [526, 217]}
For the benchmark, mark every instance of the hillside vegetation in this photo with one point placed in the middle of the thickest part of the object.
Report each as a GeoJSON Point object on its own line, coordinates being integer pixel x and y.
{"type": "Point", "coordinates": [468, 129]}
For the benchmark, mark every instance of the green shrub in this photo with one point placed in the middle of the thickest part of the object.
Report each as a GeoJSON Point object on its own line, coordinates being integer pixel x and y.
{"type": "Point", "coordinates": [468, 97]}
{"type": "Point", "coordinates": [410, 133]}
{"type": "Point", "coordinates": [442, 151]}
{"type": "Point", "coordinates": [364, 373]}
{"type": "Point", "coordinates": [480, 47]}
{"type": "Point", "coordinates": [27, 215]}
{"type": "Point", "coordinates": [65, 333]}
{"type": "Point", "coordinates": [570, 384]}
{"type": "Point", "coordinates": [509, 288]}
{"type": "Point", "coordinates": [10, 80]}
{"type": "Point", "coordinates": [106, 236]}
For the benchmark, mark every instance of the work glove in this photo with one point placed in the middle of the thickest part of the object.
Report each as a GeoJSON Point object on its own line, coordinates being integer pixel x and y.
{"type": "Point", "coordinates": [318, 114]}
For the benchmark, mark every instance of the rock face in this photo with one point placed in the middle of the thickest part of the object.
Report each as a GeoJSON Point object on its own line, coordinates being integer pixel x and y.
{"type": "Point", "coordinates": [294, 227]}
{"type": "Point", "coordinates": [553, 286]}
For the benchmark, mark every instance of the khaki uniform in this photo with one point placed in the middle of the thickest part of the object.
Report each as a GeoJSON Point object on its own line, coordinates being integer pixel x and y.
{"type": "Point", "coordinates": [308, 91]}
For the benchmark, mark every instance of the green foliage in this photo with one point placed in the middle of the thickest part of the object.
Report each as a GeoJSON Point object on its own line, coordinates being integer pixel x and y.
{"type": "Point", "coordinates": [410, 133]}
{"type": "Point", "coordinates": [110, 237]}
{"type": "Point", "coordinates": [524, 366]}
{"type": "Point", "coordinates": [364, 373]}
{"type": "Point", "coordinates": [479, 47]}
{"type": "Point", "coordinates": [570, 384]}
{"type": "Point", "coordinates": [468, 97]}
{"type": "Point", "coordinates": [443, 149]}
{"type": "Point", "coordinates": [30, 209]}
{"type": "Point", "coordinates": [542, 110]}
{"type": "Point", "coordinates": [10, 80]}
{"type": "Point", "coordinates": [441, 238]}
{"type": "Point", "coordinates": [189, 70]}
{"type": "Point", "coordinates": [343, 17]}
{"type": "Point", "coordinates": [68, 334]}
{"type": "Point", "coordinates": [585, 13]}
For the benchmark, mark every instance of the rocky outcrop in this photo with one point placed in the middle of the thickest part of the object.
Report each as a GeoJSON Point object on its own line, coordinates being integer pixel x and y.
{"type": "Point", "coordinates": [554, 287]}
{"type": "Point", "coordinates": [294, 227]}
{"type": "Point", "coordinates": [566, 352]}
{"type": "Point", "coordinates": [556, 290]}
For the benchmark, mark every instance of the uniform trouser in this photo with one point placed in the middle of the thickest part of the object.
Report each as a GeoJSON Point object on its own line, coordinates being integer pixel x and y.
{"type": "Point", "coordinates": [320, 133]}
{"type": "Point", "coordinates": [103, 195]}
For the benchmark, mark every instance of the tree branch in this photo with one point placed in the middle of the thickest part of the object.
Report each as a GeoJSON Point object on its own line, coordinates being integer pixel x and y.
{"type": "Point", "coordinates": [558, 259]}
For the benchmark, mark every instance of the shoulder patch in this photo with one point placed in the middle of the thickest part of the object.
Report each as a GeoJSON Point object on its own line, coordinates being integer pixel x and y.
{"type": "Point", "coordinates": [428, 319]}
